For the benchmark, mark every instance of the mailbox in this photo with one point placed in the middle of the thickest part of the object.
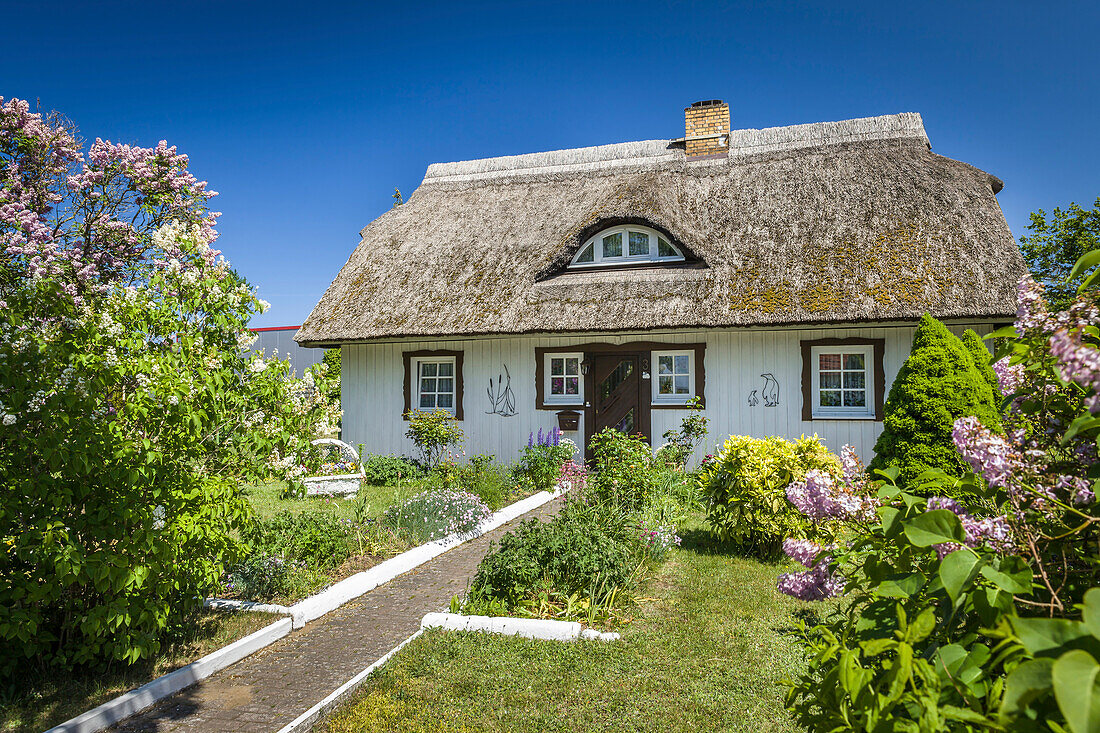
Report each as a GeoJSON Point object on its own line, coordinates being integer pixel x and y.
{"type": "Point", "coordinates": [569, 420]}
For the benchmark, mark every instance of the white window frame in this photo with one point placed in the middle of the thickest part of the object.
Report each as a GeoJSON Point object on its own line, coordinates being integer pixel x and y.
{"type": "Point", "coordinates": [818, 411]}
{"type": "Point", "coordinates": [417, 364]}
{"type": "Point", "coordinates": [552, 399]}
{"type": "Point", "coordinates": [652, 256]}
{"type": "Point", "coordinates": [655, 377]}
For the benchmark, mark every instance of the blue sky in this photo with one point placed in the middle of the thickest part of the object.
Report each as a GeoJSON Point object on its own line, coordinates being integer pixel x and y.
{"type": "Point", "coordinates": [305, 116]}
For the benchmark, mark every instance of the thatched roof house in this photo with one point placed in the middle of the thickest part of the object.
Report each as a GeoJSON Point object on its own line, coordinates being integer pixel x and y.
{"type": "Point", "coordinates": [820, 223]}
{"type": "Point", "coordinates": [775, 275]}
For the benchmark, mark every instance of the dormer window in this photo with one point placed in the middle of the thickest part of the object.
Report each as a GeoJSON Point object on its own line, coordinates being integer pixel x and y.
{"type": "Point", "coordinates": [626, 245]}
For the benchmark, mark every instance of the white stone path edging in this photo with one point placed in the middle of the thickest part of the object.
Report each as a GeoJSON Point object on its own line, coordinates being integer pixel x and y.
{"type": "Point", "coordinates": [143, 697]}
{"type": "Point", "coordinates": [528, 628]}
{"type": "Point", "coordinates": [301, 613]}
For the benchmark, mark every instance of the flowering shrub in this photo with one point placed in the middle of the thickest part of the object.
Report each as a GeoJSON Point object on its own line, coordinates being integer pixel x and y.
{"type": "Point", "coordinates": [130, 407]}
{"type": "Point", "coordinates": [659, 540]}
{"type": "Point", "coordinates": [433, 433]}
{"type": "Point", "coordinates": [480, 476]}
{"type": "Point", "coordinates": [745, 490]}
{"type": "Point", "coordinates": [437, 513]}
{"type": "Point", "coordinates": [573, 476]}
{"type": "Point", "coordinates": [976, 614]}
{"type": "Point", "coordinates": [540, 464]}
{"type": "Point", "coordinates": [623, 470]}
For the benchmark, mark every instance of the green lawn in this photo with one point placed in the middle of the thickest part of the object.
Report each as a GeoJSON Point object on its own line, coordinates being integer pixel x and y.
{"type": "Point", "coordinates": [712, 641]}
{"type": "Point", "coordinates": [266, 500]}
{"type": "Point", "coordinates": [41, 700]}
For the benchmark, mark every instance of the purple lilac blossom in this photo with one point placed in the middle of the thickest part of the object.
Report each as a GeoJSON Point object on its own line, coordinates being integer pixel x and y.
{"type": "Point", "coordinates": [818, 497]}
{"type": "Point", "coordinates": [811, 585]}
{"type": "Point", "coordinates": [1031, 311]}
{"type": "Point", "coordinates": [803, 551]}
{"type": "Point", "coordinates": [995, 532]}
{"type": "Point", "coordinates": [1009, 376]}
{"type": "Point", "coordinates": [989, 455]}
{"type": "Point", "coordinates": [1077, 361]}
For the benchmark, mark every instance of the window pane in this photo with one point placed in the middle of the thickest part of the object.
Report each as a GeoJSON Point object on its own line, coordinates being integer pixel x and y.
{"type": "Point", "coordinates": [427, 369]}
{"type": "Point", "coordinates": [830, 380]}
{"type": "Point", "coordinates": [557, 385]}
{"type": "Point", "coordinates": [627, 423]}
{"type": "Point", "coordinates": [427, 385]}
{"type": "Point", "coordinates": [855, 380]}
{"type": "Point", "coordinates": [613, 245]}
{"type": "Point", "coordinates": [444, 400]}
{"type": "Point", "coordinates": [664, 249]}
{"type": "Point", "coordinates": [853, 361]}
{"type": "Point", "coordinates": [573, 366]}
{"type": "Point", "coordinates": [572, 385]}
{"type": "Point", "coordinates": [444, 385]}
{"type": "Point", "coordinates": [588, 254]}
{"type": "Point", "coordinates": [446, 369]}
{"type": "Point", "coordinates": [557, 366]}
{"type": "Point", "coordinates": [682, 385]}
{"type": "Point", "coordinates": [830, 398]}
{"type": "Point", "coordinates": [855, 398]}
{"type": "Point", "coordinates": [427, 400]}
{"type": "Point", "coordinates": [828, 361]}
{"type": "Point", "coordinates": [664, 385]}
{"type": "Point", "coordinates": [682, 364]}
{"type": "Point", "coordinates": [639, 243]}
{"type": "Point", "coordinates": [664, 365]}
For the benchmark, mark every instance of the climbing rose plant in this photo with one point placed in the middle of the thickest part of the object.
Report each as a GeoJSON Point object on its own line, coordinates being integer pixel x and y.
{"type": "Point", "coordinates": [984, 616]}
{"type": "Point", "coordinates": [130, 408]}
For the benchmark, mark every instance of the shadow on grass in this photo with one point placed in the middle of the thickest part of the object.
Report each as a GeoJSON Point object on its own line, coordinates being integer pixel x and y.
{"type": "Point", "coordinates": [703, 542]}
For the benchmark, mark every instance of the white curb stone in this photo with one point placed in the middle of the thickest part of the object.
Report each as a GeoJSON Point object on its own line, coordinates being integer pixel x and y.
{"type": "Point", "coordinates": [148, 694]}
{"type": "Point", "coordinates": [528, 628]}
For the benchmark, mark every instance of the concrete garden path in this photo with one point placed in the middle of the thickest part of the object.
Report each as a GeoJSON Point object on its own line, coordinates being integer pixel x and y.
{"type": "Point", "coordinates": [275, 685]}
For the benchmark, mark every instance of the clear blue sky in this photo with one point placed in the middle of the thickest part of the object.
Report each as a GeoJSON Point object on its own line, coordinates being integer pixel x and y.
{"type": "Point", "coordinates": [306, 115]}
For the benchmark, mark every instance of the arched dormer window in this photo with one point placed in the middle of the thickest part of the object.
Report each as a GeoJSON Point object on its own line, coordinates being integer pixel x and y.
{"type": "Point", "coordinates": [628, 244]}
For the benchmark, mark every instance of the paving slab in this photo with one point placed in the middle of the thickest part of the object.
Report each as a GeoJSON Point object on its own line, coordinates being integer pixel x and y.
{"type": "Point", "coordinates": [272, 687]}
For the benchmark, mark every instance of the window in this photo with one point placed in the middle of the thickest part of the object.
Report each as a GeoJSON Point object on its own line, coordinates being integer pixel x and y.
{"type": "Point", "coordinates": [843, 381]}
{"type": "Point", "coordinates": [626, 245]}
{"type": "Point", "coordinates": [433, 381]}
{"type": "Point", "coordinates": [564, 380]}
{"type": "Point", "coordinates": [435, 384]}
{"type": "Point", "coordinates": [674, 377]}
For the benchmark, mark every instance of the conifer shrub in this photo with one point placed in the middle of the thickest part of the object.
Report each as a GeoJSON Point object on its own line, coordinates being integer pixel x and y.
{"type": "Point", "coordinates": [982, 360]}
{"type": "Point", "coordinates": [938, 384]}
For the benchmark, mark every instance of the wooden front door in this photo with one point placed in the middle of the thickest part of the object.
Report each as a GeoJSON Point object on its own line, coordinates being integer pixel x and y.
{"type": "Point", "coordinates": [616, 395]}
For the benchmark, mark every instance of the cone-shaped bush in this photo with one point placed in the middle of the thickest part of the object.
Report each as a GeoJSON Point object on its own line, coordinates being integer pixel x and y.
{"type": "Point", "coordinates": [938, 384]}
{"type": "Point", "coordinates": [982, 358]}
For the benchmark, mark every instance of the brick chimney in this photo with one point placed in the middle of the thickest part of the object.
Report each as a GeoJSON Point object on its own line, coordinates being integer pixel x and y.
{"type": "Point", "coordinates": [707, 128]}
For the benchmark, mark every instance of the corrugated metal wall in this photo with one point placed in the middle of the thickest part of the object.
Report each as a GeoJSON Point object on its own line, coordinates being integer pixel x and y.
{"type": "Point", "coordinates": [373, 397]}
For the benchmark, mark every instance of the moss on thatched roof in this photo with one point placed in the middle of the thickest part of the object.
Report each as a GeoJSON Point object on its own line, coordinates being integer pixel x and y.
{"type": "Point", "coordinates": [823, 223]}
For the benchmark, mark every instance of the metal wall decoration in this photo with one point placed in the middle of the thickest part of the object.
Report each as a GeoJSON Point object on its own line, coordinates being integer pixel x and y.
{"type": "Point", "coordinates": [770, 390]}
{"type": "Point", "coordinates": [753, 399]}
{"type": "Point", "coordinates": [501, 399]}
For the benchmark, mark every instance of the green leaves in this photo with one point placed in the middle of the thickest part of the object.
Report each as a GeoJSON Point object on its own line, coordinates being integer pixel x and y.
{"type": "Point", "coordinates": [936, 527]}
{"type": "Point", "coordinates": [1076, 688]}
{"type": "Point", "coordinates": [957, 572]}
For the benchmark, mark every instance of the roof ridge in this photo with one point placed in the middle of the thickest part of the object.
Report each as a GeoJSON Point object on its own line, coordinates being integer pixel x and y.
{"type": "Point", "coordinates": [749, 141]}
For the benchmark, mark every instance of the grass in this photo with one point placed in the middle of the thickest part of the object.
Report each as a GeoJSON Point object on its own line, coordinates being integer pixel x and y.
{"type": "Point", "coordinates": [708, 650]}
{"type": "Point", "coordinates": [40, 700]}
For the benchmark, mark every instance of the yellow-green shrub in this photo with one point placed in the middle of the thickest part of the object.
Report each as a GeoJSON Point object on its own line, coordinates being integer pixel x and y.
{"type": "Point", "coordinates": [746, 483]}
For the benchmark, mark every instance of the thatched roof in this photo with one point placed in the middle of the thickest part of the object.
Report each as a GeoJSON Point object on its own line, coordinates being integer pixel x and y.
{"type": "Point", "coordinates": [823, 223]}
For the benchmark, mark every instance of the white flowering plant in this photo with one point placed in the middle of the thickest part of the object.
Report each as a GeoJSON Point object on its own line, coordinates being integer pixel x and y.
{"type": "Point", "coordinates": [976, 617]}
{"type": "Point", "coordinates": [130, 410]}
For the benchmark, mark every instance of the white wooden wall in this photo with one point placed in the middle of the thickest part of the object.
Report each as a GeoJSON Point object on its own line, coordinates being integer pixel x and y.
{"type": "Point", "coordinates": [372, 388]}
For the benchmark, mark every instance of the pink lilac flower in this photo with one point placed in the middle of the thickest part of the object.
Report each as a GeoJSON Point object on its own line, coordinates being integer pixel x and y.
{"type": "Point", "coordinates": [803, 551]}
{"type": "Point", "coordinates": [994, 532]}
{"type": "Point", "coordinates": [988, 455]}
{"type": "Point", "coordinates": [1077, 488]}
{"type": "Point", "coordinates": [1009, 376]}
{"type": "Point", "coordinates": [1077, 361]}
{"type": "Point", "coordinates": [811, 585]}
{"type": "Point", "coordinates": [818, 497]}
{"type": "Point", "coordinates": [1031, 311]}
